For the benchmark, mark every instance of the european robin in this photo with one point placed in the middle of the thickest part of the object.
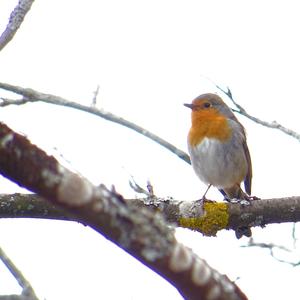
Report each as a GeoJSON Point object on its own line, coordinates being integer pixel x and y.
{"type": "Point", "coordinates": [218, 147]}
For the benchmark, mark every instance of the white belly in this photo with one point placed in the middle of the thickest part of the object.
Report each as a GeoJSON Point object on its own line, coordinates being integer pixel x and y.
{"type": "Point", "coordinates": [219, 164]}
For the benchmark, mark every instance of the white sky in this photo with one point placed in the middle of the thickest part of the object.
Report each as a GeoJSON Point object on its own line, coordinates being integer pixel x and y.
{"type": "Point", "coordinates": [150, 57]}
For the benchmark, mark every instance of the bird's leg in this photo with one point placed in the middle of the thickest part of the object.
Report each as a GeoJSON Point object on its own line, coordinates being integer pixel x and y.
{"type": "Point", "coordinates": [200, 202]}
{"type": "Point", "coordinates": [204, 196]}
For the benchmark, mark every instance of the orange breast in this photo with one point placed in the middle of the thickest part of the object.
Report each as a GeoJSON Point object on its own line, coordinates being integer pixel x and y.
{"type": "Point", "coordinates": [208, 124]}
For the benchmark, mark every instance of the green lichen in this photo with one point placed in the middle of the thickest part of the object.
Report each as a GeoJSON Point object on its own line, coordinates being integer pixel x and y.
{"type": "Point", "coordinates": [215, 218]}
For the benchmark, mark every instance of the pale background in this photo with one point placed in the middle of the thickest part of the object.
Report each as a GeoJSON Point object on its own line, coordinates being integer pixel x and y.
{"type": "Point", "coordinates": [150, 57]}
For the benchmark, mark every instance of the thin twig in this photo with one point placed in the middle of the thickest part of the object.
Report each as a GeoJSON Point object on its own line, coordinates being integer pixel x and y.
{"type": "Point", "coordinates": [16, 18]}
{"type": "Point", "coordinates": [96, 93]}
{"type": "Point", "coordinates": [137, 188]}
{"type": "Point", "coordinates": [252, 243]}
{"type": "Point", "coordinates": [295, 239]}
{"type": "Point", "coordinates": [275, 125]}
{"type": "Point", "coordinates": [6, 101]}
{"type": "Point", "coordinates": [150, 188]}
{"type": "Point", "coordinates": [27, 289]}
{"type": "Point", "coordinates": [30, 95]}
{"type": "Point", "coordinates": [271, 247]}
{"type": "Point", "coordinates": [15, 297]}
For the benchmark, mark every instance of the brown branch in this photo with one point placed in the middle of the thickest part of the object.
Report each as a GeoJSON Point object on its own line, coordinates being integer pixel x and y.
{"type": "Point", "coordinates": [27, 290]}
{"type": "Point", "coordinates": [16, 297]}
{"type": "Point", "coordinates": [189, 214]}
{"type": "Point", "coordinates": [275, 125]}
{"type": "Point", "coordinates": [30, 95]}
{"type": "Point", "coordinates": [30, 206]}
{"type": "Point", "coordinates": [16, 19]}
{"type": "Point", "coordinates": [214, 216]}
{"type": "Point", "coordinates": [142, 233]}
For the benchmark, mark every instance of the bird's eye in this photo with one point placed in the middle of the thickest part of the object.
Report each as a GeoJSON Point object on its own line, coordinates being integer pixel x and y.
{"type": "Point", "coordinates": [206, 104]}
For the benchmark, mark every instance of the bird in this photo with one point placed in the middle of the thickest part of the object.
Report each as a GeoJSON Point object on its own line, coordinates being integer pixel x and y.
{"type": "Point", "coordinates": [218, 148]}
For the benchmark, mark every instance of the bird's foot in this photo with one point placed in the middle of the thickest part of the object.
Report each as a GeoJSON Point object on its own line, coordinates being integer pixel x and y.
{"type": "Point", "coordinates": [251, 198]}
{"type": "Point", "coordinates": [245, 201]}
{"type": "Point", "coordinates": [242, 202]}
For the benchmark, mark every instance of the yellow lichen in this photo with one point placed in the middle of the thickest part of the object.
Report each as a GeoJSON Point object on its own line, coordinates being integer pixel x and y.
{"type": "Point", "coordinates": [215, 218]}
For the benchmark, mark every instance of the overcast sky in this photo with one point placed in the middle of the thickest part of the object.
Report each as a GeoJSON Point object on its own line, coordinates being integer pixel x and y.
{"type": "Point", "coordinates": [150, 57]}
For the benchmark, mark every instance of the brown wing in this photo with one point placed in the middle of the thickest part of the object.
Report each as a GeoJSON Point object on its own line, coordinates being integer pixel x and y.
{"type": "Point", "coordinates": [248, 178]}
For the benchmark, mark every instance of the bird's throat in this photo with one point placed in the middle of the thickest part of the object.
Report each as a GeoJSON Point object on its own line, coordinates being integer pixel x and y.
{"type": "Point", "coordinates": [210, 126]}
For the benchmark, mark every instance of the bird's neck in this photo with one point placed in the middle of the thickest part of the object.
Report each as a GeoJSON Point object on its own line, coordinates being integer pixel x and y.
{"type": "Point", "coordinates": [210, 125]}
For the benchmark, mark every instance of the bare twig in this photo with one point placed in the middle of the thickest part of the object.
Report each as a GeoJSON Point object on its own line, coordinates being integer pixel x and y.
{"type": "Point", "coordinates": [30, 95]}
{"type": "Point", "coordinates": [16, 18]}
{"type": "Point", "coordinates": [150, 188]}
{"type": "Point", "coordinates": [148, 191]}
{"type": "Point", "coordinates": [271, 247]}
{"type": "Point", "coordinates": [15, 297]}
{"type": "Point", "coordinates": [27, 289]}
{"type": "Point", "coordinates": [96, 93]}
{"type": "Point", "coordinates": [295, 239]}
{"type": "Point", "coordinates": [137, 188]}
{"type": "Point", "coordinates": [6, 101]}
{"type": "Point", "coordinates": [275, 125]}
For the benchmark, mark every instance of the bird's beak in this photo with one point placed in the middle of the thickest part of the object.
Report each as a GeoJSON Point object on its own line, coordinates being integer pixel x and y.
{"type": "Point", "coordinates": [189, 105]}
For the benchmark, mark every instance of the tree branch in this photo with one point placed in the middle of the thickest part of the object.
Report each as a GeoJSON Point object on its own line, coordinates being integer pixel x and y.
{"type": "Point", "coordinates": [27, 290]}
{"type": "Point", "coordinates": [207, 219]}
{"type": "Point", "coordinates": [15, 297]}
{"type": "Point", "coordinates": [272, 247]}
{"type": "Point", "coordinates": [210, 217]}
{"type": "Point", "coordinates": [30, 95]}
{"type": "Point", "coordinates": [16, 19]}
{"type": "Point", "coordinates": [241, 110]}
{"type": "Point", "coordinates": [96, 93]}
{"type": "Point", "coordinates": [140, 232]}
{"type": "Point", "coordinates": [30, 206]}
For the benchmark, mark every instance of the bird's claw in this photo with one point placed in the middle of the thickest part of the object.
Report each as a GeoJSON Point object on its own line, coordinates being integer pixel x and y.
{"type": "Point", "coordinates": [242, 202]}
{"type": "Point", "coordinates": [246, 201]}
